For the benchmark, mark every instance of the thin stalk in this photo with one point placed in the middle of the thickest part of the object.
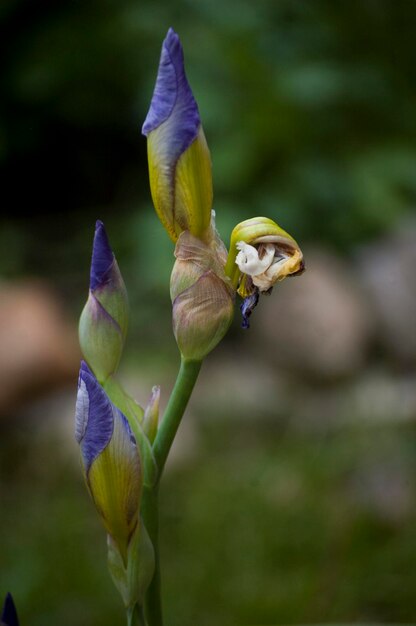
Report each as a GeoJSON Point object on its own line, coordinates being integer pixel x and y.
{"type": "Point", "coordinates": [135, 616]}
{"type": "Point", "coordinates": [150, 514]}
{"type": "Point", "coordinates": [185, 382]}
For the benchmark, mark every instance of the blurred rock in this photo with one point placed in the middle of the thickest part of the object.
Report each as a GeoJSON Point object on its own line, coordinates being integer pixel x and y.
{"type": "Point", "coordinates": [39, 347]}
{"type": "Point", "coordinates": [318, 324]}
{"type": "Point", "coordinates": [384, 487]}
{"type": "Point", "coordinates": [373, 398]}
{"type": "Point", "coordinates": [388, 272]}
{"type": "Point", "coordinates": [238, 384]}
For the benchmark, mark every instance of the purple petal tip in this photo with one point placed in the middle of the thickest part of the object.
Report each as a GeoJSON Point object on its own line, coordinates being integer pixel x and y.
{"type": "Point", "coordinates": [102, 258]}
{"type": "Point", "coordinates": [172, 96]}
{"type": "Point", "coordinates": [9, 613]}
{"type": "Point", "coordinates": [84, 369]}
{"type": "Point", "coordinates": [247, 307]}
{"type": "Point", "coordinates": [94, 418]}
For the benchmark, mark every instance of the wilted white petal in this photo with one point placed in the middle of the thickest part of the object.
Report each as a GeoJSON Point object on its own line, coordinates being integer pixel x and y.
{"type": "Point", "coordinates": [248, 259]}
{"type": "Point", "coordinates": [282, 266]}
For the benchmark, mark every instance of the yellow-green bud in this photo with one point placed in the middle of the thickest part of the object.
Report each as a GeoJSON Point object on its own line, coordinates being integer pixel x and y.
{"type": "Point", "coordinates": [151, 414]}
{"type": "Point", "coordinates": [104, 319]}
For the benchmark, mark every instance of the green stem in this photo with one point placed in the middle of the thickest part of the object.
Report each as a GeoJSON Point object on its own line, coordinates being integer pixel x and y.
{"type": "Point", "coordinates": [135, 616]}
{"type": "Point", "coordinates": [185, 382]}
{"type": "Point", "coordinates": [150, 514]}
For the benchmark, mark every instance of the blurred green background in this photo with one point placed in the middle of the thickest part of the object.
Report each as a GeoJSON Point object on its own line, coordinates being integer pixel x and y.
{"type": "Point", "coordinates": [290, 495]}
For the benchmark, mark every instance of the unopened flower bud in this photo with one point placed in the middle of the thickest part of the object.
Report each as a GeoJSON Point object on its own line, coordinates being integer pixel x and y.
{"type": "Point", "coordinates": [179, 158]}
{"type": "Point", "coordinates": [9, 613]}
{"type": "Point", "coordinates": [151, 414]}
{"type": "Point", "coordinates": [110, 460]}
{"type": "Point", "coordinates": [103, 322]}
{"type": "Point", "coordinates": [202, 296]}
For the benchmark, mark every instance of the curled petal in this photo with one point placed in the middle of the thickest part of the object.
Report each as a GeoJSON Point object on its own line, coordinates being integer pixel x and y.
{"type": "Point", "coordinates": [248, 259]}
{"type": "Point", "coordinates": [261, 253]}
{"type": "Point", "coordinates": [93, 417]}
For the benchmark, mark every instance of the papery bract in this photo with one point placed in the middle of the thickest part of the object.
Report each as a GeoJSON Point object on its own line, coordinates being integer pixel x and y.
{"type": "Point", "coordinates": [202, 296]}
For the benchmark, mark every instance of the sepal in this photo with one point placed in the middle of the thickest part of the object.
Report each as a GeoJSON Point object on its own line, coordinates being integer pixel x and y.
{"type": "Point", "coordinates": [132, 579]}
{"type": "Point", "coordinates": [202, 296]}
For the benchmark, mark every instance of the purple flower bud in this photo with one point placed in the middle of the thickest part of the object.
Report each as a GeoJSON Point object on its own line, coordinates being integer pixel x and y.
{"type": "Point", "coordinates": [9, 613]}
{"type": "Point", "coordinates": [179, 160]}
{"type": "Point", "coordinates": [172, 96]}
{"type": "Point", "coordinates": [110, 459]}
{"type": "Point", "coordinates": [103, 258]}
{"type": "Point", "coordinates": [94, 416]}
{"type": "Point", "coordinates": [103, 322]}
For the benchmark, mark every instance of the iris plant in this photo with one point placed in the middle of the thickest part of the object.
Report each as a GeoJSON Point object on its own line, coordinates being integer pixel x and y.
{"type": "Point", "coordinates": [123, 446]}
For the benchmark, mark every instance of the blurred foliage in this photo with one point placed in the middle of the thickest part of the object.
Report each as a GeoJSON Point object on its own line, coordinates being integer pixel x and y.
{"type": "Point", "coordinates": [308, 108]}
{"type": "Point", "coordinates": [262, 526]}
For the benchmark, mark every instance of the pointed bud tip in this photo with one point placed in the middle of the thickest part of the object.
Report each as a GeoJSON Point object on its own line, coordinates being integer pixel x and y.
{"type": "Point", "coordinates": [151, 414]}
{"type": "Point", "coordinates": [102, 257]}
{"type": "Point", "coordinates": [9, 614]}
{"type": "Point", "coordinates": [172, 41]}
{"type": "Point", "coordinates": [84, 369]}
{"type": "Point", "coordinates": [85, 373]}
{"type": "Point", "coordinates": [172, 91]}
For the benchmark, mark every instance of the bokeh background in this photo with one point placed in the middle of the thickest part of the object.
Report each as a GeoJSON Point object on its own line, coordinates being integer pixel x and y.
{"type": "Point", "coordinates": [289, 497]}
